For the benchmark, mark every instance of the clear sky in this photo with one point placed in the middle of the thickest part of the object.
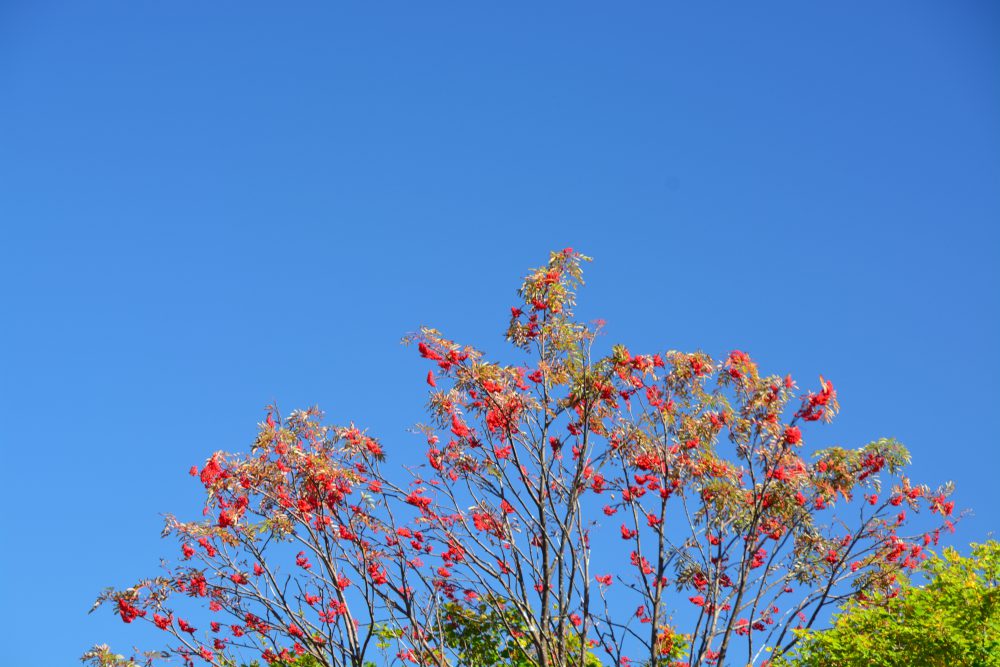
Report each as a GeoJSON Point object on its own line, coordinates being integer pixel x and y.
{"type": "Point", "coordinates": [209, 206]}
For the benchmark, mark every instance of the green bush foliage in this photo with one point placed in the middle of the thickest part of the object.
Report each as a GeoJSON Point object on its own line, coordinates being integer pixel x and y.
{"type": "Point", "coordinates": [954, 619]}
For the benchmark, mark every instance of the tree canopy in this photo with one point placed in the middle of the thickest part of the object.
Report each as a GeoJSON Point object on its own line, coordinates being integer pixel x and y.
{"type": "Point", "coordinates": [575, 508]}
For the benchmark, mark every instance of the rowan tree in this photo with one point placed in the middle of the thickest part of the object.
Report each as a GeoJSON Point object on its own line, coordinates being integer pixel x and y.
{"type": "Point", "coordinates": [571, 507]}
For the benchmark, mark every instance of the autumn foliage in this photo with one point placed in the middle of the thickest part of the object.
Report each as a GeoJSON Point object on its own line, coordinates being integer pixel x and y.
{"type": "Point", "coordinates": [574, 509]}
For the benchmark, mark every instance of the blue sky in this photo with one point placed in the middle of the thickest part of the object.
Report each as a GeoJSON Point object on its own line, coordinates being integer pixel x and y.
{"type": "Point", "coordinates": [207, 207]}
